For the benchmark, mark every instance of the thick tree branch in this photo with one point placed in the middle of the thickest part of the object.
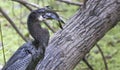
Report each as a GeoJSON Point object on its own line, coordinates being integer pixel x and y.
{"type": "Point", "coordinates": [80, 34]}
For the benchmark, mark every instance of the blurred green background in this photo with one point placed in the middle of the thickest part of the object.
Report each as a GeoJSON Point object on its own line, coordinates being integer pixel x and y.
{"type": "Point", "coordinates": [18, 13]}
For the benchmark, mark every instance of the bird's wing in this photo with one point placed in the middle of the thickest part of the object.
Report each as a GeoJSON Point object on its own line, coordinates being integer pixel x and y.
{"type": "Point", "coordinates": [20, 55]}
{"type": "Point", "coordinates": [21, 64]}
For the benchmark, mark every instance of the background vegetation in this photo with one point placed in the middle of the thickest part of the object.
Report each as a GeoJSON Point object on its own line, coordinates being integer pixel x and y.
{"type": "Point", "coordinates": [18, 13]}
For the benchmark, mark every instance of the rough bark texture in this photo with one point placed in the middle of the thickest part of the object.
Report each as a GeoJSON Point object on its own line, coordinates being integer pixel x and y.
{"type": "Point", "coordinates": [80, 34]}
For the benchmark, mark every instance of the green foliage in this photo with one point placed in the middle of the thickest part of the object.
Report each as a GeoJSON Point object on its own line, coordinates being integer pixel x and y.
{"type": "Point", "coordinates": [109, 44]}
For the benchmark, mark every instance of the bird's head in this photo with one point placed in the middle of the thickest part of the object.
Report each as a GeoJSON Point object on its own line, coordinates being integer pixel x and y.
{"type": "Point", "coordinates": [44, 14]}
{"type": "Point", "coordinates": [36, 15]}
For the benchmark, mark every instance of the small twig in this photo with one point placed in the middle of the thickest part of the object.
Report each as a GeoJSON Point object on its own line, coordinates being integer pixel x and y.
{"type": "Point", "coordinates": [24, 3]}
{"type": "Point", "coordinates": [103, 57]}
{"type": "Point", "coordinates": [12, 23]}
{"type": "Point", "coordinates": [16, 16]}
{"type": "Point", "coordinates": [118, 41]}
{"type": "Point", "coordinates": [72, 3]}
{"type": "Point", "coordinates": [27, 3]}
{"type": "Point", "coordinates": [87, 63]}
{"type": "Point", "coordinates": [84, 4]}
{"type": "Point", "coordinates": [2, 44]}
{"type": "Point", "coordinates": [46, 23]}
{"type": "Point", "coordinates": [28, 7]}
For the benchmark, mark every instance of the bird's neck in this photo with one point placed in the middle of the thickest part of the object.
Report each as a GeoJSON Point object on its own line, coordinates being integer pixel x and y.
{"type": "Point", "coordinates": [34, 29]}
{"type": "Point", "coordinates": [40, 35]}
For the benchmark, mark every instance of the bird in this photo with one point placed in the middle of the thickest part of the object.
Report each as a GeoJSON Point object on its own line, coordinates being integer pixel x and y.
{"type": "Point", "coordinates": [29, 54]}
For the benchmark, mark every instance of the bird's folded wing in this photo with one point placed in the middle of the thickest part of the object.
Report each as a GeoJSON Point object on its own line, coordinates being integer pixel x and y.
{"type": "Point", "coordinates": [21, 64]}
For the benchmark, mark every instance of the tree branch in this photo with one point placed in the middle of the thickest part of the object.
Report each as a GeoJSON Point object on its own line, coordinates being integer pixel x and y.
{"type": "Point", "coordinates": [2, 44]}
{"type": "Point", "coordinates": [87, 63]}
{"type": "Point", "coordinates": [80, 34]}
{"type": "Point", "coordinates": [103, 57]}
{"type": "Point", "coordinates": [26, 3]}
{"type": "Point", "coordinates": [46, 23]}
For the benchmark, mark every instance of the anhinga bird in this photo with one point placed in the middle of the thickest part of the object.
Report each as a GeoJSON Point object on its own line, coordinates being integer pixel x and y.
{"type": "Point", "coordinates": [30, 53]}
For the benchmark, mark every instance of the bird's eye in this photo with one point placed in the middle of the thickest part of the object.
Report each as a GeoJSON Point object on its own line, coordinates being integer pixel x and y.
{"type": "Point", "coordinates": [41, 18]}
{"type": "Point", "coordinates": [49, 14]}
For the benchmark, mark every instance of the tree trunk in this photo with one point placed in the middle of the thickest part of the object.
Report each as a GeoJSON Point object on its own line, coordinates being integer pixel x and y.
{"type": "Point", "coordinates": [68, 46]}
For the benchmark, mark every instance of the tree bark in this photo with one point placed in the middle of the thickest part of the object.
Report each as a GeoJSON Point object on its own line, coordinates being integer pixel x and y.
{"type": "Point", "coordinates": [81, 32]}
